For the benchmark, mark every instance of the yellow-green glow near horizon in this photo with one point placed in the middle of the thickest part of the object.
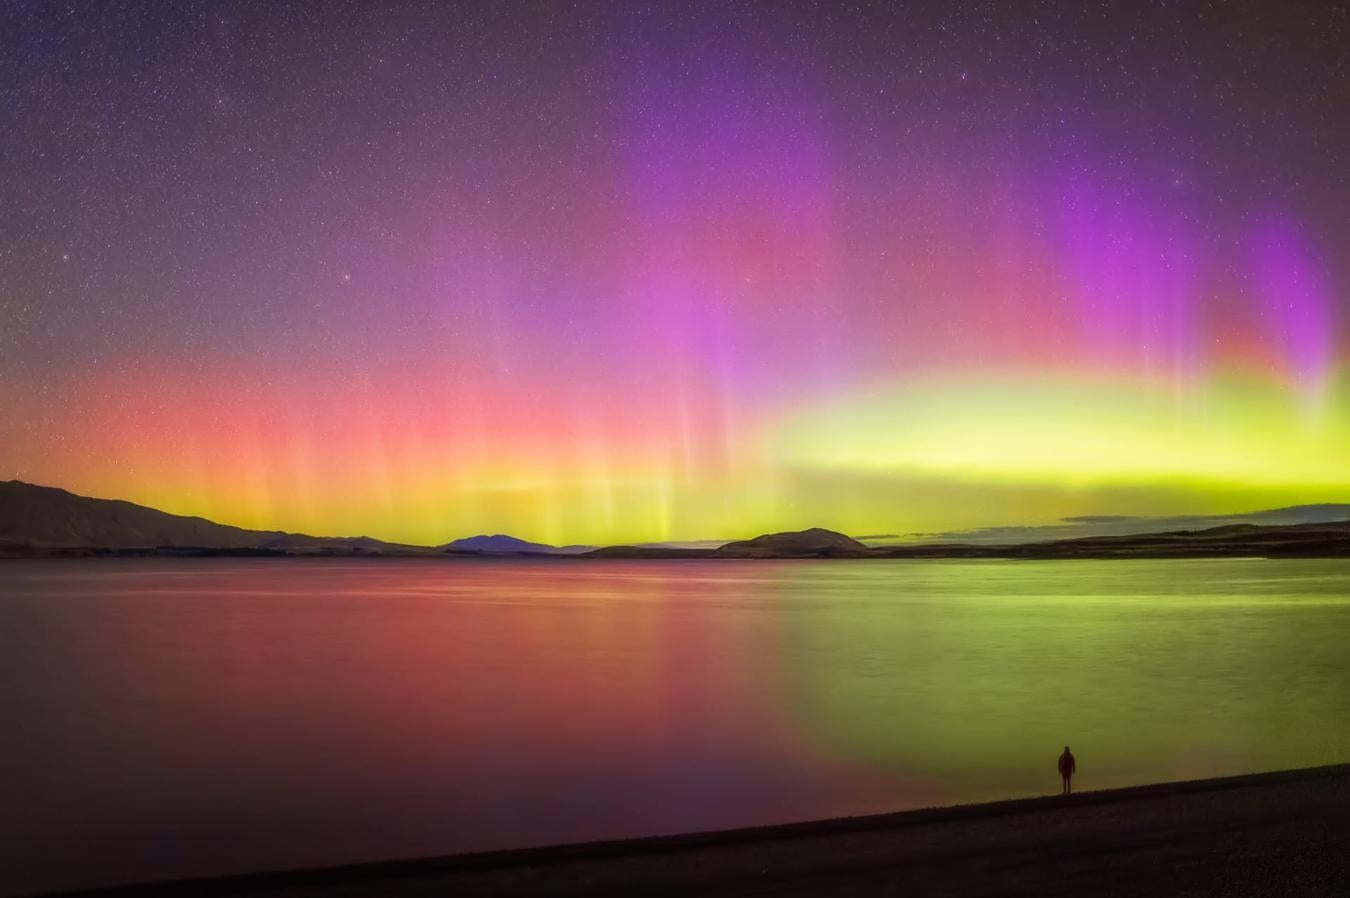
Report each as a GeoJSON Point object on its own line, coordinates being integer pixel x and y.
{"type": "Point", "coordinates": [934, 453]}
{"type": "Point", "coordinates": [1079, 433]}
{"type": "Point", "coordinates": [634, 274]}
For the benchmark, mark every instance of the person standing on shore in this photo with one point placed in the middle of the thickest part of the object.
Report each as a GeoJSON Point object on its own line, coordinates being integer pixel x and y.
{"type": "Point", "coordinates": [1067, 766]}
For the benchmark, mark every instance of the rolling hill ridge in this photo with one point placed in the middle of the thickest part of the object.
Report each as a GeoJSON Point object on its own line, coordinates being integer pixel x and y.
{"type": "Point", "coordinates": [40, 521]}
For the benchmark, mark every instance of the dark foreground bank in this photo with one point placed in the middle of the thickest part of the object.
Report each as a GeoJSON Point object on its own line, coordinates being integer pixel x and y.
{"type": "Point", "coordinates": [1267, 834]}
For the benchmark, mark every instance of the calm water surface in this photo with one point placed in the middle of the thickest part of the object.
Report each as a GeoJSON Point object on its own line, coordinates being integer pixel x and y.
{"type": "Point", "coordinates": [178, 717]}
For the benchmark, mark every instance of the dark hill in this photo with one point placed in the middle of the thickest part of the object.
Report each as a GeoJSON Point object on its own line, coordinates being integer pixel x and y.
{"type": "Point", "coordinates": [815, 542]}
{"type": "Point", "coordinates": [46, 520]}
{"type": "Point", "coordinates": [499, 544]}
{"type": "Point", "coordinates": [1322, 540]}
{"type": "Point", "coordinates": [38, 521]}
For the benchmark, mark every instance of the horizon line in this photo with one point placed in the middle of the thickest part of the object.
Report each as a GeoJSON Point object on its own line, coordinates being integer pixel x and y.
{"type": "Point", "coordinates": [977, 532]}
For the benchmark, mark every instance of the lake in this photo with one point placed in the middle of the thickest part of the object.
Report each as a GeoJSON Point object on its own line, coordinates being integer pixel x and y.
{"type": "Point", "coordinates": [181, 717]}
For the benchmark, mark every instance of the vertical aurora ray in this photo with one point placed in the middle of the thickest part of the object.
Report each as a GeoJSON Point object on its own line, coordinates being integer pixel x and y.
{"type": "Point", "coordinates": [625, 274]}
{"type": "Point", "coordinates": [1294, 300]}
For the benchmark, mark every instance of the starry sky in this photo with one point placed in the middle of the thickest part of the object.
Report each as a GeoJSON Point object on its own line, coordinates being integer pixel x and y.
{"type": "Point", "coordinates": [606, 272]}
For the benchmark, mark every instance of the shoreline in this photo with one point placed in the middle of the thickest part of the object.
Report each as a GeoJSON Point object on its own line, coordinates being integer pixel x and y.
{"type": "Point", "coordinates": [47, 522]}
{"type": "Point", "coordinates": [502, 871]}
{"type": "Point", "coordinates": [926, 553]}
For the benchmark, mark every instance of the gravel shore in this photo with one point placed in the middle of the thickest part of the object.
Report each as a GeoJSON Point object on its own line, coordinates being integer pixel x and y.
{"type": "Point", "coordinates": [1268, 834]}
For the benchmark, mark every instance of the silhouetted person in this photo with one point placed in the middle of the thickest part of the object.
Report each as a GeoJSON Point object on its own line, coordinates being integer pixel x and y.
{"type": "Point", "coordinates": [1067, 766]}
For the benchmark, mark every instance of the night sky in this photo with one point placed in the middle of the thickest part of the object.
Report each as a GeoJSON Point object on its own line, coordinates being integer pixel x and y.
{"type": "Point", "coordinates": [605, 272]}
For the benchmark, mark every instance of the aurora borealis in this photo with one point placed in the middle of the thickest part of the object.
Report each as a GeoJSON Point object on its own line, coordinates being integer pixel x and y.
{"type": "Point", "coordinates": [616, 272]}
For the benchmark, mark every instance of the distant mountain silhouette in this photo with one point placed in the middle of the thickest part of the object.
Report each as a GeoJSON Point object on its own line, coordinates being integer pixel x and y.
{"type": "Point", "coordinates": [501, 544]}
{"type": "Point", "coordinates": [1320, 540]}
{"type": "Point", "coordinates": [1081, 526]}
{"type": "Point", "coordinates": [1316, 540]}
{"type": "Point", "coordinates": [813, 543]}
{"type": "Point", "coordinates": [43, 519]}
{"type": "Point", "coordinates": [794, 544]}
